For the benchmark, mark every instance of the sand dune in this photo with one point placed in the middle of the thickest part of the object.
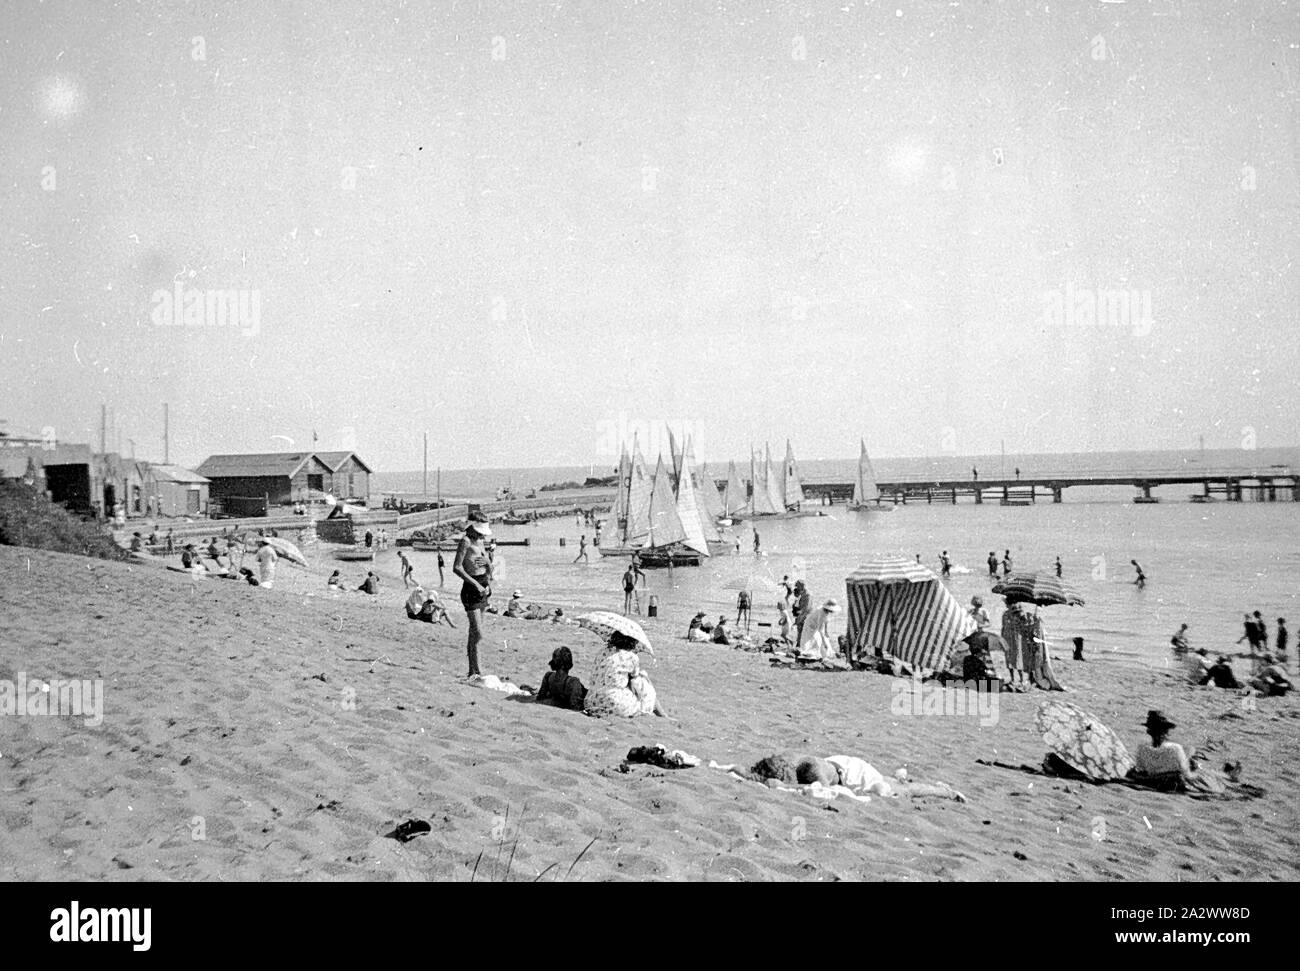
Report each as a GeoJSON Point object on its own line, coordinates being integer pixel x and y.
{"type": "Point", "coordinates": [291, 730]}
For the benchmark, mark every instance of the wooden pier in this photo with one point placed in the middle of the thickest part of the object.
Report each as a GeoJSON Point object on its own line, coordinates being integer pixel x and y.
{"type": "Point", "coordinates": [1271, 484]}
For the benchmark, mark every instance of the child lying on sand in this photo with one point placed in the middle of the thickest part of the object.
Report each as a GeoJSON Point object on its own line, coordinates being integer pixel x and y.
{"type": "Point", "coordinates": [835, 775]}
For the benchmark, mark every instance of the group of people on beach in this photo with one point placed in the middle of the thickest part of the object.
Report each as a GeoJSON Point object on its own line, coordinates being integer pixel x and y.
{"type": "Point", "coordinates": [1268, 674]}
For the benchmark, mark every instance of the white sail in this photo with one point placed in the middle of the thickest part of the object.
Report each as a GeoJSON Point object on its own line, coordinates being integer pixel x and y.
{"type": "Point", "coordinates": [619, 512]}
{"type": "Point", "coordinates": [665, 525]}
{"type": "Point", "coordinates": [773, 481]}
{"type": "Point", "coordinates": [690, 505]}
{"type": "Point", "coordinates": [674, 453]}
{"type": "Point", "coordinates": [761, 484]}
{"type": "Point", "coordinates": [791, 488]}
{"type": "Point", "coordinates": [864, 489]}
{"type": "Point", "coordinates": [734, 499]}
{"type": "Point", "coordinates": [638, 501]}
{"type": "Point", "coordinates": [706, 489]}
{"type": "Point", "coordinates": [697, 525]}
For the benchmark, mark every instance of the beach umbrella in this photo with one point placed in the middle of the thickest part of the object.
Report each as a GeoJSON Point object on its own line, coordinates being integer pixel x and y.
{"type": "Point", "coordinates": [1081, 741]}
{"type": "Point", "coordinates": [604, 623]}
{"type": "Point", "coordinates": [1042, 589]}
{"type": "Point", "coordinates": [891, 569]}
{"type": "Point", "coordinates": [900, 608]}
{"type": "Point", "coordinates": [285, 549]}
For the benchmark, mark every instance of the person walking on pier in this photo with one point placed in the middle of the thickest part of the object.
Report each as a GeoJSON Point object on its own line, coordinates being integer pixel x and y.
{"type": "Point", "coordinates": [1017, 475]}
{"type": "Point", "coordinates": [1006, 563]}
{"type": "Point", "coordinates": [974, 474]}
{"type": "Point", "coordinates": [993, 564]}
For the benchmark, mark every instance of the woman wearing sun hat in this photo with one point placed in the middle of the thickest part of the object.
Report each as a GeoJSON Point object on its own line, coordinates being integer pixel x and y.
{"type": "Point", "coordinates": [473, 565]}
{"type": "Point", "coordinates": [815, 639]}
{"type": "Point", "coordinates": [1165, 765]}
{"type": "Point", "coordinates": [619, 687]}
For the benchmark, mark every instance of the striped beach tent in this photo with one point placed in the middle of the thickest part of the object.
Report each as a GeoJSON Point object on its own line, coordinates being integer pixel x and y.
{"type": "Point", "coordinates": [898, 607]}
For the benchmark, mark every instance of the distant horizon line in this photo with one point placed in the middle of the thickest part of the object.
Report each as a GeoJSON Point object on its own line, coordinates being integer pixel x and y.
{"type": "Point", "coordinates": [874, 458]}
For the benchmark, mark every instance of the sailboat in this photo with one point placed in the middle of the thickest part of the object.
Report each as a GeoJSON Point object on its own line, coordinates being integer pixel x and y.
{"type": "Point", "coordinates": [672, 539]}
{"type": "Point", "coordinates": [713, 501]}
{"type": "Point", "coordinates": [734, 499]}
{"type": "Point", "coordinates": [662, 524]}
{"type": "Point", "coordinates": [791, 488]}
{"type": "Point", "coordinates": [692, 501]}
{"type": "Point", "coordinates": [631, 506]}
{"type": "Point", "coordinates": [764, 500]}
{"type": "Point", "coordinates": [865, 491]}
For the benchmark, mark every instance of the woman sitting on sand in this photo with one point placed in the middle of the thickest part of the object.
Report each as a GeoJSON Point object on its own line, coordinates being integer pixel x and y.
{"type": "Point", "coordinates": [695, 632]}
{"type": "Point", "coordinates": [1166, 766]}
{"type": "Point", "coordinates": [1272, 678]}
{"type": "Point", "coordinates": [1220, 675]}
{"type": "Point", "coordinates": [559, 688]}
{"type": "Point", "coordinates": [426, 607]}
{"type": "Point", "coordinates": [515, 608]}
{"type": "Point", "coordinates": [619, 686]}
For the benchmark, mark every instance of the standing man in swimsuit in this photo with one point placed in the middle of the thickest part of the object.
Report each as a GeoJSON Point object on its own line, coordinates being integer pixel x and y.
{"type": "Point", "coordinates": [629, 590]}
{"type": "Point", "coordinates": [474, 567]}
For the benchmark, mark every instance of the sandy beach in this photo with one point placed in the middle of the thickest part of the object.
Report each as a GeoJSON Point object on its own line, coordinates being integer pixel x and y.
{"type": "Point", "coordinates": [253, 734]}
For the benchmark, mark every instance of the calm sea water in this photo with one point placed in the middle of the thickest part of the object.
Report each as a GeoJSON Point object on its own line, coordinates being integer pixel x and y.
{"type": "Point", "coordinates": [1206, 564]}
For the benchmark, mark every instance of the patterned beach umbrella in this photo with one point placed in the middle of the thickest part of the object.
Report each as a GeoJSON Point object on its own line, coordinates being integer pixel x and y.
{"type": "Point", "coordinates": [891, 569]}
{"type": "Point", "coordinates": [1082, 741]}
{"type": "Point", "coordinates": [604, 623]}
{"type": "Point", "coordinates": [1039, 588]}
{"type": "Point", "coordinates": [910, 616]}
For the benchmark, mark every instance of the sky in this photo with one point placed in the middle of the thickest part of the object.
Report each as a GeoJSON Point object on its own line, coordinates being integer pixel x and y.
{"type": "Point", "coordinates": [527, 228]}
